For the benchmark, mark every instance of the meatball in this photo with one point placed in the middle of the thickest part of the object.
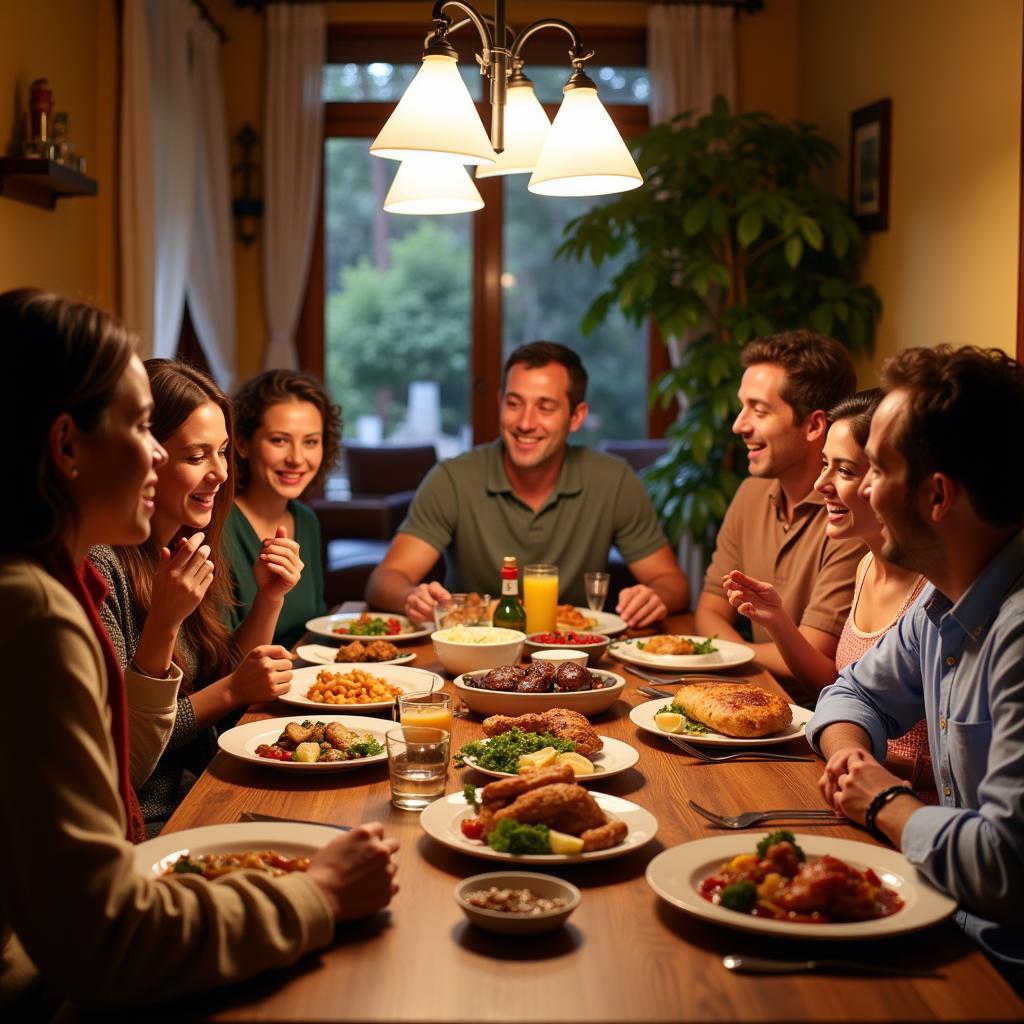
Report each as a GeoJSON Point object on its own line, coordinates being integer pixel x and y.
{"type": "Point", "coordinates": [572, 677]}
{"type": "Point", "coordinates": [505, 678]}
{"type": "Point", "coordinates": [538, 678]}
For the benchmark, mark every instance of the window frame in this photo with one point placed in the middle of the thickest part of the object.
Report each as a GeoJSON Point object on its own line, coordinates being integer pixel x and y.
{"type": "Point", "coordinates": [365, 120]}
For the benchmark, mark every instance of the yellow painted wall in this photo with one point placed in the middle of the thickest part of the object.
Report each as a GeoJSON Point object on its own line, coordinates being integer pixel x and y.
{"type": "Point", "coordinates": [71, 43]}
{"type": "Point", "coordinates": [947, 267]}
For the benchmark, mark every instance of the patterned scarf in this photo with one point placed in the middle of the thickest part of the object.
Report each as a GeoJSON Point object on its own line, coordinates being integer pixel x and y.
{"type": "Point", "coordinates": [89, 589]}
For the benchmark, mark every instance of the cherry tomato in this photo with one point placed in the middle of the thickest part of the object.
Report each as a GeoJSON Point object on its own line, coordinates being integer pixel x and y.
{"type": "Point", "coordinates": [472, 828]}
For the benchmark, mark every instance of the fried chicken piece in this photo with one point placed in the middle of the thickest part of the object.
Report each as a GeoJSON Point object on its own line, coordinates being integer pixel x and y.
{"type": "Point", "coordinates": [674, 645]}
{"type": "Point", "coordinates": [571, 725]}
{"type": "Point", "coordinates": [381, 650]}
{"type": "Point", "coordinates": [355, 651]}
{"type": "Point", "coordinates": [560, 722]}
{"type": "Point", "coordinates": [565, 807]}
{"type": "Point", "coordinates": [504, 791]}
{"type": "Point", "coordinates": [496, 795]}
{"type": "Point", "coordinates": [604, 836]}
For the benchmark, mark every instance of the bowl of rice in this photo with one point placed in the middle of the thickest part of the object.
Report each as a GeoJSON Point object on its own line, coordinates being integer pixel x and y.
{"type": "Point", "coordinates": [470, 648]}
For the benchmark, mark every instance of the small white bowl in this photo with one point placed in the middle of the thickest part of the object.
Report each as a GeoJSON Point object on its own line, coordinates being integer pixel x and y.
{"type": "Point", "coordinates": [559, 656]}
{"type": "Point", "coordinates": [459, 657]}
{"type": "Point", "coordinates": [506, 923]}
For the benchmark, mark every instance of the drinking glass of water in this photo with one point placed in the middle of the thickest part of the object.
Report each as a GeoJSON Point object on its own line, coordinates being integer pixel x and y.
{"type": "Point", "coordinates": [417, 765]}
{"type": "Point", "coordinates": [596, 586]}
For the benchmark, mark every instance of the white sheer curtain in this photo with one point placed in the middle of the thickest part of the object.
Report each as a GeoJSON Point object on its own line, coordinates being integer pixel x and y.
{"type": "Point", "coordinates": [691, 57]}
{"type": "Point", "coordinates": [211, 268]}
{"type": "Point", "coordinates": [293, 144]}
{"type": "Point", "coordinates": [174, 156]}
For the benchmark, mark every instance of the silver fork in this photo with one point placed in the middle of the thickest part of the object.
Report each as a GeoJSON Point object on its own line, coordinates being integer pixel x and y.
{"type": "Point", "coordinates": [749, 818]}
{"type": "Point", "coordinates": [746, 755]}
{"type": "Point", "coordinates": [690, 677]}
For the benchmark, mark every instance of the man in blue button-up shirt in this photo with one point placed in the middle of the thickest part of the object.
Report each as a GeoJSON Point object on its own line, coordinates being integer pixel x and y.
{"type": "Point", "coordinates": [949, 492]}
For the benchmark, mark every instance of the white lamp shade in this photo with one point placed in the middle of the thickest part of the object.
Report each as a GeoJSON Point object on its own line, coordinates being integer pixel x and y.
{"type": "Point", "coordinates": [584, 155]}
{"type": "Point", "coordinates": [431, 184]}
{"type": "Point", "coordinates": [526, 128]}
{"type": "Point", "coordinates": [436, 115]}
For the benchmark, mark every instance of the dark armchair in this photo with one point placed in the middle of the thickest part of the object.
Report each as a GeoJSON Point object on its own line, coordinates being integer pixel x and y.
{"type": "Point", "coordinates": [357, 531]}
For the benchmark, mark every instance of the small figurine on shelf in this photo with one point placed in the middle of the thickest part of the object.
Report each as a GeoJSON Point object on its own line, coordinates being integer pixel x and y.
{"type": "Point", "coordinates": [61, 139]}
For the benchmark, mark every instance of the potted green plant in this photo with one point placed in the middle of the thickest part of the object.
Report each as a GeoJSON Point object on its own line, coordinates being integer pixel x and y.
{"type": "Point", "coordinates": [731, 237]}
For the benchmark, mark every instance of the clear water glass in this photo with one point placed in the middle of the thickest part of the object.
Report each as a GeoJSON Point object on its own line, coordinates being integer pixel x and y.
{"type": "Point", "coordinates": [595, 584]}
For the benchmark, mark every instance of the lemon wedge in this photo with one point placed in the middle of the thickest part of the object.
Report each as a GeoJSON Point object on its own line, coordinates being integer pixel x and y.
{"type": "Point", "coordinates": [580, 765]}
{"type": "Point", "coordinates": [668, 721]}
{"type": "Point", "coordinates": [543, 758]}
{"type": "Point", "coordinates": [561, 842]}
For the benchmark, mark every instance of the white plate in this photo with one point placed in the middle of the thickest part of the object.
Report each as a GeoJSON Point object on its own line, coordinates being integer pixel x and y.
{"type": "Point", "coordinates": [676, 873]}
{"type": "Point", "coordinates": [442, 819]}
{"type": "Point", "coordinates": [324, 626]}
{"type": "Point", "coordinates": [643, 716]}
{"type": "Point", "coordinates": [499, 702]}
{"type": "Point", "coordinates": [316, 654]}
{"type": "Point", "coordinates": [614, 757]}
{"type": "Point", "coordinates": [290, 839]}
{"type": "Point", "coordinates": [728, 655]}
{"type": "Point", "coordinates": [242, 741]}
{"type": "Point", "coordinates": [409, 679]}
{"type": "Point", "coordinates": [608, 623]}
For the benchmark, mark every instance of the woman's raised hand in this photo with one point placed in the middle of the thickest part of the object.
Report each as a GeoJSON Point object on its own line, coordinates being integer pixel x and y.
{"type": "Point", "coordinates": [181, 581]}
{"type": "Point", "coordinates": [278, 567]}
{"type": "Point", "coordinates": [758, 601]}
{"type": "Point", "coordinates": [263, 674]}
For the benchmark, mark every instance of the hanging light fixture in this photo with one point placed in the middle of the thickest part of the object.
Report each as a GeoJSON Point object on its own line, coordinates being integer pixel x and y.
{"type": "Point", "coordinates": [580, 154]}
{"type": "Point", "coordinates": [428, 183]}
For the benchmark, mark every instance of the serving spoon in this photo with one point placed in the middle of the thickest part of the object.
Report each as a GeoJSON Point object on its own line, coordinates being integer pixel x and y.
{"type": "Point", "coordinates": [766, 965]}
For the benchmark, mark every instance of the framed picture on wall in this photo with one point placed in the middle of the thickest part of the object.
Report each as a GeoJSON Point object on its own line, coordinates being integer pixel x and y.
{"type": "Point", "coordinates": [870, 147]}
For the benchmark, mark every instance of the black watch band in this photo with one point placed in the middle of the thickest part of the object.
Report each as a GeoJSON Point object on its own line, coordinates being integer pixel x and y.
{"type": "Point", "coordinates": [879, 801]}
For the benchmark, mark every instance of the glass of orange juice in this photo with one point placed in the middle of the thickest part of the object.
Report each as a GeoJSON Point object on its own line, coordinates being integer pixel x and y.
{"type": "Point", "coordinates": [540, 597]}
{"type": "Point", "coordinates": [426, 708]}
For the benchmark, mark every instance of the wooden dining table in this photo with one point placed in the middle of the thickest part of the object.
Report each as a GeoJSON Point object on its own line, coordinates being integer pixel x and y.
{"type": "Point", "coordinates": [624, 956]}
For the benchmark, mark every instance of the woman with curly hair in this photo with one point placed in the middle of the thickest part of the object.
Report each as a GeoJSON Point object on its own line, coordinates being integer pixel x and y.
{"type": "Point", "coordinates": [288, 436]}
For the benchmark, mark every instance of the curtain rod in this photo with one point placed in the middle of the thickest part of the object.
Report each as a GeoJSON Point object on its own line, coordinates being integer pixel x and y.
{"type": "Point", "coordinates": [745, 6]}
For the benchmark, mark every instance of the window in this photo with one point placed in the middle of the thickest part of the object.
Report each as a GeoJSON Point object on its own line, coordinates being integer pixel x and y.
{"type": "Point", "coordinates": [412, 317]}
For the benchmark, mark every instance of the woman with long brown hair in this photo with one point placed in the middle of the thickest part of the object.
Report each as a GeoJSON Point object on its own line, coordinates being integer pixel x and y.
{"type": "Point", "coordinates": [168, 597]}
{"type": "Point", "coordinates": [77, 918]}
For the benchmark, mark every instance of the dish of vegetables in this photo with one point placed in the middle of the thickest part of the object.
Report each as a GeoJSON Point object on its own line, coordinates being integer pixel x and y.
{"type": "Point", "coordinates": [321, 743]}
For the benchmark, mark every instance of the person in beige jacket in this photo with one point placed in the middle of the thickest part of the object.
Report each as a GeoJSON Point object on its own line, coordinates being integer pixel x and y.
{"type": "Point", "coordinates": [77, 918]}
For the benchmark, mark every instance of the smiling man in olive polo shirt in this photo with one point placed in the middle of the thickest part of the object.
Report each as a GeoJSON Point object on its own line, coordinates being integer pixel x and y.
{"type": "Point", "coordinates": [532, 495]}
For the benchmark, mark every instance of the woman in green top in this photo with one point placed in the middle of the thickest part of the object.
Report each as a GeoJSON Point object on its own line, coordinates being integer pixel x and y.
{"type": "Point", "coordinates": [287, 438]}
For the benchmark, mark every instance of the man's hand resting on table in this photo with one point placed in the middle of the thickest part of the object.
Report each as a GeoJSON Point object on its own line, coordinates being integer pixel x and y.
{"type": "Point", "coordinates": [419, 605]}
{"type": "Point", "coordinates": [640, 606]}
{"type": "Point", "coordinates": [356, 871]}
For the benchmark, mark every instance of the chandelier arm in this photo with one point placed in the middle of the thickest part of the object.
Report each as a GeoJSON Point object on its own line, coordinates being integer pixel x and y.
{"type": "Point", "coordinates": [472, 15]}
{"type": "Point", "coordinates": [577, 54]}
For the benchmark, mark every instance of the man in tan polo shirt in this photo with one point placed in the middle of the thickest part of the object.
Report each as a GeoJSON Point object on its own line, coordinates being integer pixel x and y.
{"type": "Point", "coordinates": [774, 529]}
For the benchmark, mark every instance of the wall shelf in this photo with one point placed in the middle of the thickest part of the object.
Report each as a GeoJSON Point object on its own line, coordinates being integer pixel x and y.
{"type": "Point", "coordinates": [42, 182]}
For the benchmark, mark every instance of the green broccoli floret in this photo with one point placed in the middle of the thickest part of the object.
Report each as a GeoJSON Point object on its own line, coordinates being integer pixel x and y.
{"type": "Point", "coordinates": [739, 896]}
{"type": "Point", "coordinates": [469, 795]}
{"type": "Point", "coordinates": [367, 748]}
{"type": "Point", "coordinates": [781, 835]}
{"type": "Point", "coordinates": [514, 837]}
{"type": "Point", "coordinates": [185, 865]}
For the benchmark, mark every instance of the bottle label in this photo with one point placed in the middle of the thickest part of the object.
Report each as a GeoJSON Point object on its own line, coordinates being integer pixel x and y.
{"type": "Point", "coordinates": [509, 587]}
